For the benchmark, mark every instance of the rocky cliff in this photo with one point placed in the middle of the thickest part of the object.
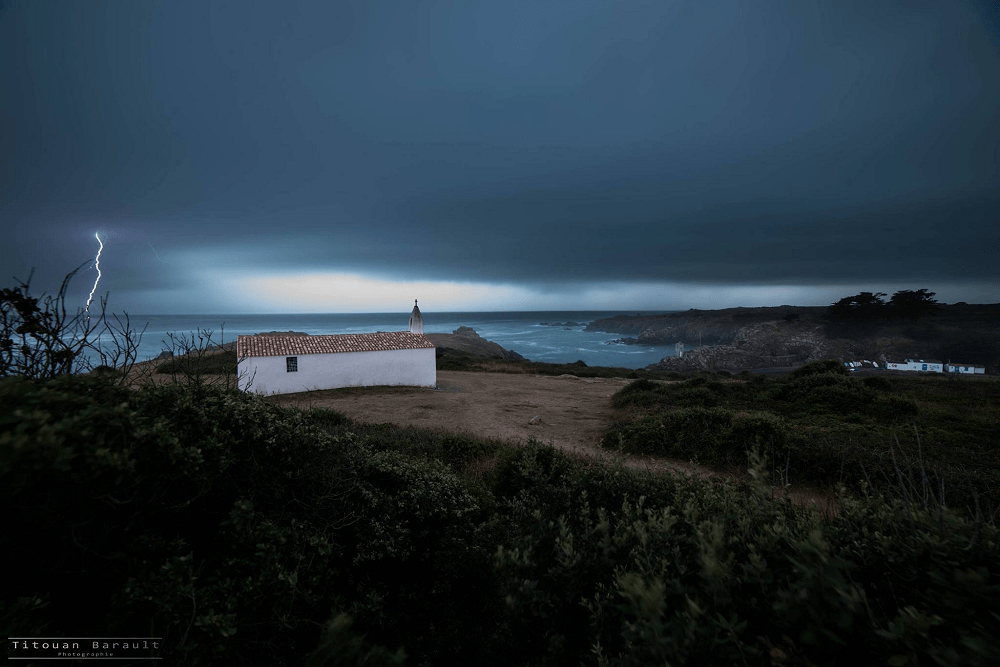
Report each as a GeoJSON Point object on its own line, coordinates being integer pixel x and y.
{"type": "Point", "coordinates": [465, 339]}
{"type": "Point", "coordinates": [743, 338]}
{"type": "Point", "coordinates": [701, 327]}
{"type": "Point", "coordinates": [734, 338]}
{"type": "Point", "coordinates": [759, 345]}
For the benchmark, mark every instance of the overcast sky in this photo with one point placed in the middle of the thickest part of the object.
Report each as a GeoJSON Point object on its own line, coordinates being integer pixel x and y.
{"type": "Point", "coordinates": [502, 155]}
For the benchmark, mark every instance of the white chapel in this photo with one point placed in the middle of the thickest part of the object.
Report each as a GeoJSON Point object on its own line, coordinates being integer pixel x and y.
{"type": "Point", "coordinates": [282, 364]}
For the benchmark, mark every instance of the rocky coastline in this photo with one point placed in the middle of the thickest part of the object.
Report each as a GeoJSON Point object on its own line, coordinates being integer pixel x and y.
{"type": "Point", "coordinates": [732, 339]}
{"type": "Point", "coordinates": [761, 345]}
{"type": "Point", "coordinates": [467, 341]}
{"type": "Point", "coordinates": [784, 336]}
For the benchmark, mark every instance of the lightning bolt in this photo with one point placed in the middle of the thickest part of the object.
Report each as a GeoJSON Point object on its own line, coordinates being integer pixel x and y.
{"type": "Point", "coordinates": [154, 250]}
{"type": "Point", "coordinates": [97, 265]}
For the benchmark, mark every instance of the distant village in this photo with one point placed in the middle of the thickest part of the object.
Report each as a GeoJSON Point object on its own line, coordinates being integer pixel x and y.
{"type": "Point", "coordinates": [918, 365]}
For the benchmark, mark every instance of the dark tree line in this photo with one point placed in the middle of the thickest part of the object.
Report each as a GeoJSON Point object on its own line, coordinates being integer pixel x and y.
{"type": "Point", "coordinates": [872, 306]}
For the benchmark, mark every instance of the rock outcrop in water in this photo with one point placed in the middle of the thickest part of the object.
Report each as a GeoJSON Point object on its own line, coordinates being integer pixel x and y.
{"type": "Point", "coordinates": [465, 339]}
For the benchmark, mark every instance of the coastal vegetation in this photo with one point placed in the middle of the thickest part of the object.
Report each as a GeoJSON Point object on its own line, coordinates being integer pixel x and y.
{"type": "Point", "coordinates": [212, 362]}
{"type": "Point", "coordinates": [925, 436]}
{"type": "Point", "coordinates": [246, 533]}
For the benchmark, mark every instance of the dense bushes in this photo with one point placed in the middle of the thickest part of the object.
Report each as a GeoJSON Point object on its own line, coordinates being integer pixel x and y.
{"type": "Point", "coordinates": [247, 534]}
{"type": "Point", "coordinates": [720, 574]}
{"type": "Point", "coordinates": [222, 362]}
{"type": "Point", "coordinates": [172, 506]}
{"type": "Point", "coordinates": [836, 393]}
{"type": "Point", "coordinates": [709, 435]}
{"type": "Point", "coordinates": [826, 427]}
{"type": "Point", "coordinates": [820, 367]}
{"type": "Point", "coordinates": [222, 523]}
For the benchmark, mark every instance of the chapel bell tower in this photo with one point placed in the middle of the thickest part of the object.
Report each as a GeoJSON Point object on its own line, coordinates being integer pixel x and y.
{"type": "Point", "coordinates": [416, 320]}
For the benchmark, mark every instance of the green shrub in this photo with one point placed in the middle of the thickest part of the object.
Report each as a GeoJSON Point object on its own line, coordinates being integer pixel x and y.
{"type": "Point", "coordinates": [722, 575]}
{"type": "Point", "coordinates": [840, 427]}
{"type": "Point", "coordinates": [149, 499]}
{"type": "Point", "coordinates": [692, 397]}
{"type": "Point", "coordinates": [206, 363]}
{"type": "Point", "coordinates": [696, 392]}
{"type": "Point", "coordinates": [463, 448]}
{"type": "Point", "coordinates": [153, 499]}
{"type": "Point", "coordinates": [638, 393]}
{"type": "Point", "coordinates": [878, 382]}
{"type": "Point", "coordinates": [820, 367]}
{"type": "Point", "coordinates": [840, 398]}
{"type": "Point", "coordinates": [828, 391]}
{"type": "Point", "coordinates": [341, 646]}
{"type": "Point", "coordinates": [421, 557]}
{"type": "Point", "coordinates": [799, 595]}
{"type": "Point", "coordinates": [533, 468]}
{"type": "Point", "coordinates": [894, 407]}
{"type": "Point", "coordinates": [713, 436]}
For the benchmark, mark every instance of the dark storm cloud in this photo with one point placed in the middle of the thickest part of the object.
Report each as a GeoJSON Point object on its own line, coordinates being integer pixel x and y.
{"type": "Point", "coordinates": [533, 143]}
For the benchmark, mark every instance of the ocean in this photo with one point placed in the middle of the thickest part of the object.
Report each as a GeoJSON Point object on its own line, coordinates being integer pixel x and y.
{"type": "Point", "coordinates": [519, 331]}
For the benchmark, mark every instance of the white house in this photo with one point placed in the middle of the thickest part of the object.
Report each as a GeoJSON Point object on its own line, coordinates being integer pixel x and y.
{"type": "Point", "coordinates": [916, 365]}
{"type": "Point", "coordinates": [276, 364]}
{"type": "Point", "coordinates": [964, 369]}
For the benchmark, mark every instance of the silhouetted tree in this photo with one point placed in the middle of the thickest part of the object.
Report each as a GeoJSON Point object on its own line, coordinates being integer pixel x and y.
{"type": "Point", "coordinates": [39, 339]}
{"type": "Point", "coordinates": [866, 306]}
{"type": "Point", "coordinates": [911, 304]}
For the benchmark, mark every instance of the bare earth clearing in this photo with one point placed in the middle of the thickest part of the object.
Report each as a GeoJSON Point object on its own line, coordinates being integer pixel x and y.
{"type": "Point", "coordinates": [572, 413]}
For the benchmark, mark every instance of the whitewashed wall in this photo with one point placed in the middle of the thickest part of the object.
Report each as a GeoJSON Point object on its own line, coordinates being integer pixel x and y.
{"type": "Point", "coordinates": [968, 370]}
{"type": "Point", "coordinates": [267, 375]}
{"type": "Point", "coordinates": [911, 365]}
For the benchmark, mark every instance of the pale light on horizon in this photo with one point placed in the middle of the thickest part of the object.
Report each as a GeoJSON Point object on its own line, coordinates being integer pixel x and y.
{"type": "Point", "coordinates": [341, 292]}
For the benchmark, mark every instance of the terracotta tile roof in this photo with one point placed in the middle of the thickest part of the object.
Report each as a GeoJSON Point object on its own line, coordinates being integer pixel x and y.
{"type": "Point", "coordinates": [263, 345]}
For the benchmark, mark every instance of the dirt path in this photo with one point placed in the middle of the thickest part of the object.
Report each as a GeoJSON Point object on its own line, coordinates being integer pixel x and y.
{"type": "Point", "coordinates": [565, 411]}
{"type": "Point", "coordinates": [568, 412]}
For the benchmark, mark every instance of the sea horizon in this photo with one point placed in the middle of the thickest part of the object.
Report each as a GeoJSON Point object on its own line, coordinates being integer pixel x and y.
{"type": "Point", "coordinates": [521, 331]}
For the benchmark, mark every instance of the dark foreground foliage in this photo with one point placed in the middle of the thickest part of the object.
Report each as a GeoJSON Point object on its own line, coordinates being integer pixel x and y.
{"type": "Point", "coordinates": [917, 438]}
{"type": "Point", "coordinates": [222, 362]}
{"type": "Point", "coordinates": [244, 533]}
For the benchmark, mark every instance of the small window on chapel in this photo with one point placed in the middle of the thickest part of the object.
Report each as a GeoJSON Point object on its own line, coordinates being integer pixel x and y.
{"type": "Point", "coordinates": [291, 364]}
